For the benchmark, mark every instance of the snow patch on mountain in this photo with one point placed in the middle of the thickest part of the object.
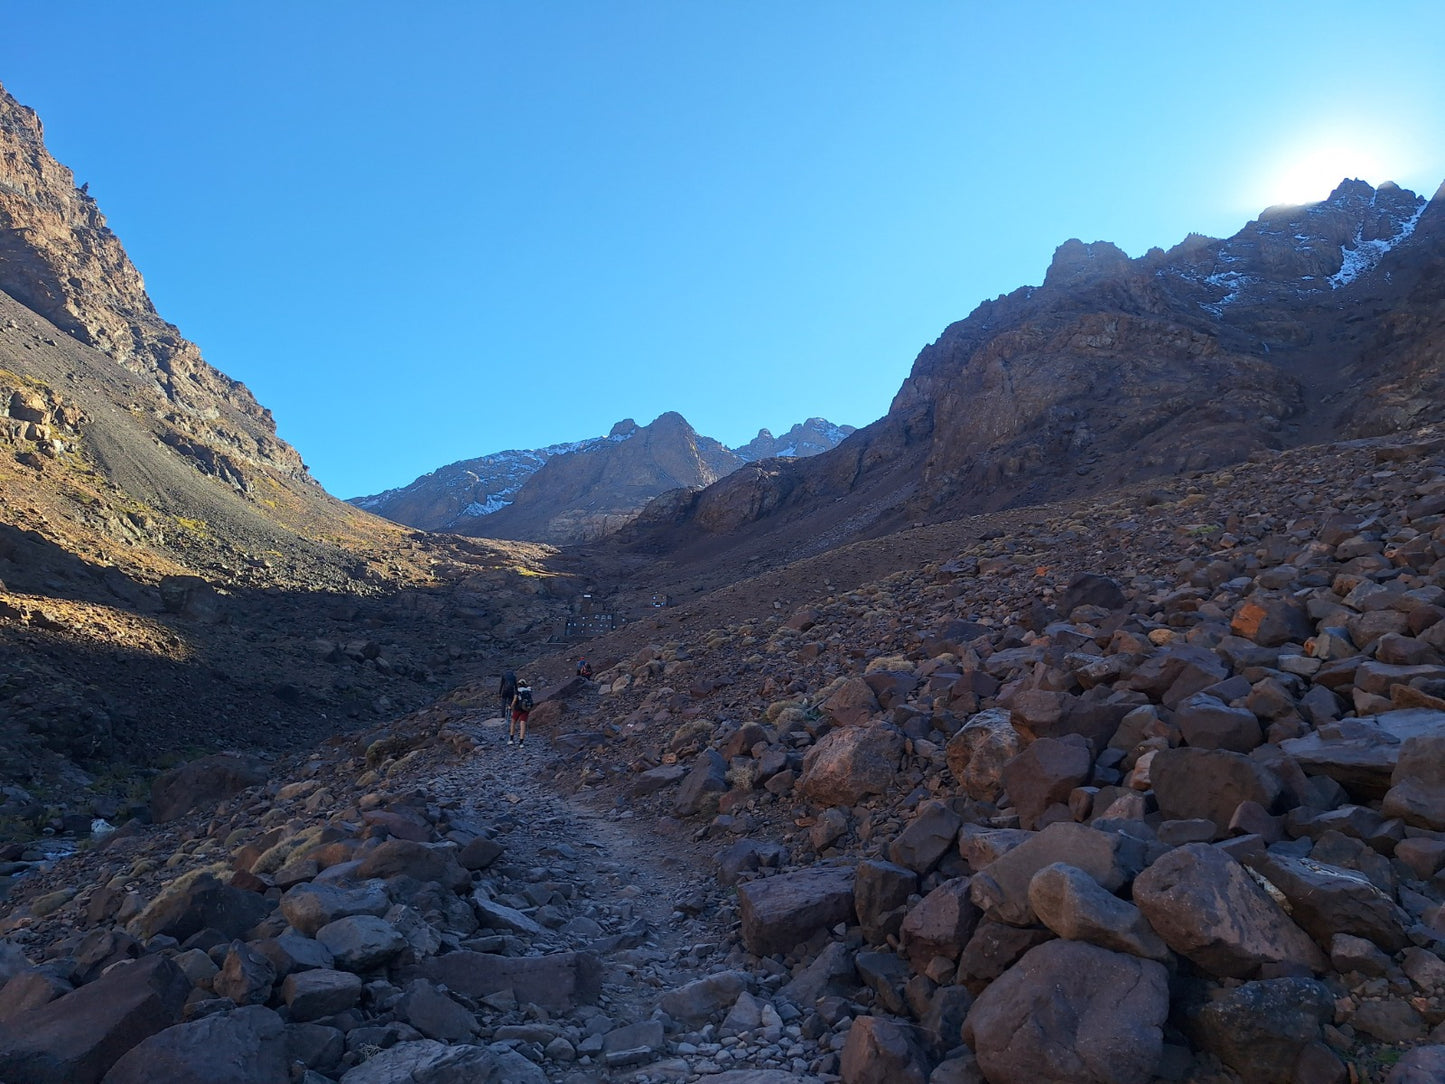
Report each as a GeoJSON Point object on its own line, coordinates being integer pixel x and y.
{"type": "Point", "coordinates": [1364, 255]}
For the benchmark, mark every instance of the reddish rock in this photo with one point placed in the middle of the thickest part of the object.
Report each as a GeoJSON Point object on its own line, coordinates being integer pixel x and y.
{"type": "Point", "coordinates": [879, 1050]}
{"type": "Point", "coordinates": [1045, 773]}
{"type": "Point", "coordinates": [851, 763]}
{"type": "Point", "coordinates": [852, 704]}
{"type": "Point", "coordinates": [203, 782]}
{"type": "Point", "coordinates": [977, 753]}
{"type": "Point", "coordinates": [940, 924]}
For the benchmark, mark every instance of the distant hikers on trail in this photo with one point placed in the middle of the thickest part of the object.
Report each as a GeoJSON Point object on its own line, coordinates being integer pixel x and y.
{"type": "Point", "coordinates": [584, 669]}
{"type": "Point", "coordinates": [508, 691]}
{"type": "Point", "coordinates": [521, 706]}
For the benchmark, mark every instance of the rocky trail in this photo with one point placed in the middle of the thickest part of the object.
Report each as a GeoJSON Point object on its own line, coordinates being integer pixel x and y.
{"type": "Point", "coordinates": [1157, 775]}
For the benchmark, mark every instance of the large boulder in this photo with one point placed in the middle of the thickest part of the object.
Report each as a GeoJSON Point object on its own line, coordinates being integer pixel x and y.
{"type": "Point", "coordinates": [850, 763]}
{"type": "Point", "coordinates": [698, 1001]}
{"type": "Point", "coordinates": [1001, 889]}
{"type": "Point", "coordinates": [852, 704]}
{"type": "Point", "coordinates": [977, 753]}
{"type": "Point", "coordinates": [1259, 1029]}
{"type": "Point", "coordinates": [203, 782]}
{"type": "Point", "coordinates": [1209, 784]}
{"type": "Point", "coordinates": [245, 1046]}
{"type": "Point", "coordinates": [1361, 754]}
{"type": "Point", "coordinates": [1045, 773]}
{"type": "Point", "coordinates": [880, 896]}
{"type": "Point", "coordinates": [1071, 1013]}
{"type": "Point", "coordinates": [702, 785]}
{"type": "Point", "coordinates": [1417, 784]}
{"type": "Point", "coordinates": [419, 861]}
{"type": "Point", "coordinates": [427, 1061]}
{"type": "Point", "coordinates": [75, 1039]}
{"type": "Point", "coordinates": [1327, 900]}
{"type": "Point", "coordinates": [310, 905]}
{"type": "Point", "coordinates": [940, 925]}
{"type": "Point", "coordinates": [1206, 906]}
{"type": "Point", "coordinates": [193, 904]}
{"type": "Point", "coordinates": [1077, 908]}
{"type": "Point", "coordinates": [929, 836]}
{"type": "Point", "coordinates": [780, 912]}
{"type": "Point", "coordinates": [361, 943]}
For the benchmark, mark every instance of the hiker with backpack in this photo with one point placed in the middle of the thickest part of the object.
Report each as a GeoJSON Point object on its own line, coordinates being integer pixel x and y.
{"type": "Point", "coordinates": [508, 692]}
{"type": "Point", "coordinates": [521, 706]}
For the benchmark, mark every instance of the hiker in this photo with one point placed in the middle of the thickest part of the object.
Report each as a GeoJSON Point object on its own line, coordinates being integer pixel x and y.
{"type": "Point", "coordinates": [584, 669]}
{"type": "Point", "coordinates": [507, 691]}
{"type": "Point", "coordinates": [521, 705]}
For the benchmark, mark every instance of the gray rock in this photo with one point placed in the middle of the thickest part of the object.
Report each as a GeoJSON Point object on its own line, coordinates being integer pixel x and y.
{"type": "Point", "coordinates": [1209, 784]}
{"type": "Point", "coordinates": [246, 977]}
{"type": "Point", "coordinates": [850, 763]}
{"type": "Point", "coordinates": [434, 1014]}
{"type": "Point", "coordinates": [708, 777]}
{"type": "Point", "coordinates": [1259, 1029]}
{"type": "Point", "coordinates": [781, 911]}
{"type": "Point", "coordinates": [929, 836]}
{"type": "Point", "coordinates": [426, 1061]}
{"type": "Point", "coordinates": [313, 994]}
{"type": "Point", "coordinates": [1423, 1065]}
{"type": "Point", "coordinates": [696, 1003]}
{"type": "Point", "coordinates": [1417, 785]}
{"type": "Point", "coordinates": [1077, 908]}
{"type": "Point", "coordinates": [245, 1046]}
{"type": "Point", "coordinates": [311, 905]}
{"type": "Point", "coordinates": [977, 753]}
{"type": "Point", "coordinates": [361, 943]}
{"type": "Point", "coordinates": [1361, 754]}
{"type": "Point", "coordinates": [1207, 723]}
{"type": "Point", "coordinates": [1071, 1013]}
{"type": "Point", "coordinates": [1206, 906]}
{"type": "Point", "coordinates": [880, 897]}
{"type": "Point", "coordinates": [1045, 773]}
{"type": "Point", "coordinates": [1326, 900]}
{"type": "Point", "coordinates": [558, 981]}
{"type": "Point", "coordinates": [1001, 889]}
{"type": "Point", "coordinates": [75, 1039]}
{"type": "Point", "coordinates": [941, 924]}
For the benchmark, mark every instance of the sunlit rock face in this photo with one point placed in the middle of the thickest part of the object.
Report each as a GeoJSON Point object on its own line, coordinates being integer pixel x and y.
{"type": "Point", "coordinates": [1311, 322]}
{"type": "Point", "coordinates": [59, 259]}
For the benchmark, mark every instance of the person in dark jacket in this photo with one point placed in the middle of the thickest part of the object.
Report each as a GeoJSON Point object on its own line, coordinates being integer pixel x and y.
{"type": "Point", "coordinates": [507, 692]}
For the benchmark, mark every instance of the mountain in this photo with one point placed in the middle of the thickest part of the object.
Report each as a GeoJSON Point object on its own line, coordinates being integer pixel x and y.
{"type": "Point", "coordinates": [1310, 323]}
{"type": "Point", "coordinates": [812, 437]}
{"type": "Point", "coordinates": [171, 577]}
{"type": "Point", "coordinates": [586, 488]}
{"type": "Point", "coordinates": [591, 492]}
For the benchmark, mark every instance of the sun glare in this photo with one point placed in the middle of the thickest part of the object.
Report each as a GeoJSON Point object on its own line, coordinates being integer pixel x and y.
{"type": "Point", "coordinates": [1313, 175]}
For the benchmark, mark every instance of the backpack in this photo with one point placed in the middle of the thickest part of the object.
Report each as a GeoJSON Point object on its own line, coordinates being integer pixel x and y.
{"type": "Point", "coordinates": [524, 698]}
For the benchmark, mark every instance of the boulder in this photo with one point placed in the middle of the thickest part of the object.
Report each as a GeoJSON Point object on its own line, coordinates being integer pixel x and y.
{"type": "Point", "coordinates": [702, 785]}
{"type": "Point", "coordinates": [1423, 1065]}
{"type": "Point", "coordinates": [1209, 784]}
{"type": "Point", "coordinates": [1071, 1013]}
{"type": "Point", "coordinates": [852, 704]}
{"type": "Point", "coordinates": [427, 1061]}
{"type": "Point", "coordinates": [1206, 906]}
{"type": "Point", "coordinates": [203, 782]}
{"type": "Point", "coordinates": [850, 763]}
{"type": "Point", "coordinates": [780, 912]}
{"type": "Point", "coordinates": [830, 974]}
{"type": "Point", "coordinates": [76, 1039]}
{"type": "Point", "coordinates": [245, 1046]}
{"type": "Point", "coordinates": [941, 924]}
{"type": "Point", "coordinates": [311, 905]}
{"type": "Point", "coordinates": [428, 1009]}
{"type": "Point", "coordinates": [1361, 754]}
{"type": "Point", "coordinates": [1001, 889]}
{"type": "Point", "coordinates": [246, 977]}
{"type": "Point", "coordinates": [977, 753]}
{"type": "Point", "coordinates": [1417, 783]}
{"type": "Point", "coordinates": [1271, 620]}
{"type": "Point", "coordinates": [1077, 908]}
{"type": "Point", "coordinates": [929, 836]}
{"type": "Point", "coordinates": [1045, 773]}
{"type": "Point", "coordinates": [191, 905]}
{"type": "Point", "coordinates": [880, 896]}
{"type": "Point", "coordinates": [361, 943]}
{"type": "Point", "coordinates": [419, 861]}
{"type": "Point", "coordinates": [696, 1003]}
{"type": "Point", "coordinates": [310, 995]}
{"type": "Point", "coordinates": [1260, 1029]}
{"type": "Point", "coordinates": [1326, 900]}
{"type": "Point", "coordinates": [1208, 723]}
{"type": "Point", "coordinates": [879, 1050]}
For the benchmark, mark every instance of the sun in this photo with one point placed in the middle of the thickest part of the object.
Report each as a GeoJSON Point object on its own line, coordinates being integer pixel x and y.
{"type": "Point", "coordinates": [1311, 174]}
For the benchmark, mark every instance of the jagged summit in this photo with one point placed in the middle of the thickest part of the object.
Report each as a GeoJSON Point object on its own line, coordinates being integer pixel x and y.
{"type": "Point", "coordinates": [582, 489]}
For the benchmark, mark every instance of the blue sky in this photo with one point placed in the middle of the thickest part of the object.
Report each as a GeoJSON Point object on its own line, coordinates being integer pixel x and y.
{"type": "Point", "coordinates": [422, 231]}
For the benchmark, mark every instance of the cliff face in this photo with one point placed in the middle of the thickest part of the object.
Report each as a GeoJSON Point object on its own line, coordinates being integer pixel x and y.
{"type": "Point", "coordinates": [1310, 323]}
{"type": "Point", "coordinates": [59, 259]}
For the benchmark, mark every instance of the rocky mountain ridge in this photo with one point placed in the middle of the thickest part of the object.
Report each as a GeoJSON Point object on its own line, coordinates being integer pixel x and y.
{"type": "Point", "coordinates": [591, 497]}
{"type": "Point", "coordinates": [1310, 323]}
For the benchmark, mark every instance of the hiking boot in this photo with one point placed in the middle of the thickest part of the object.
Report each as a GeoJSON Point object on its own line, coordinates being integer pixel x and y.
{"type": "Point", "coordinates": [509, 741]}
